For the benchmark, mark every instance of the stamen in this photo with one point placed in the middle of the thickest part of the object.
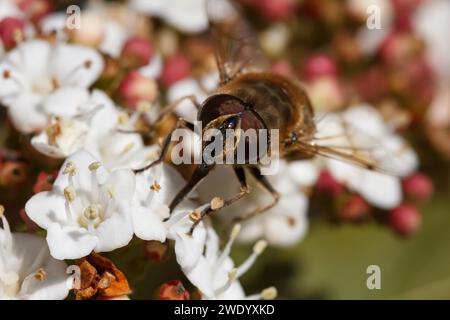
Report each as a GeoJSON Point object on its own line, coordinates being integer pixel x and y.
{"type": "Point", "coordinates": [127, 148]}
{"type": "Point", "coordinates": [194, 216]}
{"type": "Point", "coordinates": [232, 275]}
{"type": "Point", "coordinates": [94, 166]}
{"type": "Point", "coordinates": [69, 194]}
{"type": "Point", "coordinates": [40, 275]}
{"type": "Point", "coordinates": [6, 229]}
{"type": "Point", "coordinates": [217, 203]}
{"type": "Point", "coordinates": [226, 251]}
{"type": "Point", "coordinates": [155, 186]}
{"type": "Point", "coordinates": [110, 191]}
{"type": "Point", "coordinates": [258, 248]}
{"type": "Point", "coordinates": [92, 212]}
{"type": "Point", "coordinates": [266, 294]}
{"type": "Point", "coordinates": [123, 118]}
{"type": "Point", "coordinates": [70, 169]}
{"type": "Point", "coordinates": [269, 293]}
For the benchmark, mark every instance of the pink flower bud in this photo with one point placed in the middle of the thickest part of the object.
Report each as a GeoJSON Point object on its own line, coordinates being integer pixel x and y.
{"type": "Point", "coordinates": [318, 66]}
{"type": "Point", "coordinates": [283, 67]}
{"type": "Point", "coordinates": [155, 250]}
{"type": "Point", "coordinates": [175, 68]}
{"type": "Point", "coordinates": [11, 31]}
{"type": "Point", "coordinates": [36, 9]}
{"type": "Point", "coordinates": [418, 187]}
{"type": "Point", "coordinates": [44, 181]}
{"type": "Point", "coordinates": [355, 208]}
{"type": "Point", "coordinates": [31, 226]}
{"type": "Point", "coordinates": [173, 290]}
{"type": "Point", "coordinates": [405, 219]}
{"type": "Point", "coordinates": [136, 52]}
{"type": "Point", "coordinates": [135, 89]}
{"type": "Point", "coordinates": [275, 10]}
{"type": "Point", "coordinates": [327, 184]}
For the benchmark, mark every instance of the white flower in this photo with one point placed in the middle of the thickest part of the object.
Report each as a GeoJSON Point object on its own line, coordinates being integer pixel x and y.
{"type": "Point", "coordinates": [430, 17]}
{"type": "Point", "coordinates": [187, 16]}
{"type": "Point", "coordinates": [87, 209]}
{"type": "Point", "coordinates": [370, 39]}
{"type": "Point", "coordinates": [27, 271]}
{"type": "Point", "coordinates": [36, 74]}
{"type": "Point", "coordinates": [9, 9]}
{"type": "Point", "coordinates": [155, 189]}
{"type": "Point", "coordinates": [284, 224]}
{"type": "Point", "coordinates": [215, 274]}
{"type": "Point", "coordinates": [88, 123]}
{"type": "Point", "coordinates": [363, 127]}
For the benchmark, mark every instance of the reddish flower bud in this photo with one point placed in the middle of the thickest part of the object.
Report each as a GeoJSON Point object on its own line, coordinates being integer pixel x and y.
{"type": "Point", "coordinates": [11, 31]}
{"type": "Point", "coordinates": [274, 10]}
{"type": "Point", "coordinates": [44, 181]}
{"type": "Point", "coordinates": [13, 173]}
{"type": "Point", "coordinates": [399, 46]}
{"type": "Point", "coordinates": [405, 219]}
{"type": "Point", "coordinates": [371, 84]}
{"type": "Point", "coordinates": [418, 187]}
{"type": "Point", "coordinates": [36, 9]}
{"type": "Point", "coordinates": [173, 290]}
{"type": "Point", "coordinates": [155, 250]}
{"type": "Point", "coordinates": [136, 90]}
{"type": "Point", "coordinates": [136, 52]}
{"type": "Point", "coordinates": [175, 68]}
{"type": "Point", "coordinates": [31, 226]}
{"type": "Point", "coordinates": [355, 208]}
{"type": "Point", "coordinates": [327, 184]}
{"type": "Point", "coordinates": [283, 67]}
{"type": "Point", "coordinates": [318, 66]}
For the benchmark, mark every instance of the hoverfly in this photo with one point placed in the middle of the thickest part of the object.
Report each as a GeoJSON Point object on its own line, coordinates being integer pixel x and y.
{"type": "Point", "coordinates": [258, 100]}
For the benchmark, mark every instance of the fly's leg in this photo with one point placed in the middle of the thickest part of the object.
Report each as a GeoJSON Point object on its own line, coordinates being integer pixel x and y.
{"type": "Point", "coordinates": [217, 204]}
{"type": "Point", "coordinates": [165, 146]}
{"type": "Point", "coordinates": [256, 173]}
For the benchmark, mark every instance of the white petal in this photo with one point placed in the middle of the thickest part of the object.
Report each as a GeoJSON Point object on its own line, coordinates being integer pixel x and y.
{"type": "Point", "coordinates": [381, 190]}
{"type": "Point", "coordinates": [83, 178]}
{"type": "Point", "coordinates": [74, 65]}
{"type": "Point", "coordinates": [66, 102]}
{"type": "Point", "coordinates": [289, 227]}
{"type": "Point", "coordinates": [148, 225]}
{"type": "Point", "coordinates": [26, 113]}
{"type": "Point", "coordinates": [304, 173]}
{"type": "Point", "coordinates": [188, 248]}
{"type": "Point", "coordinates": [47, 208]}
{"type": "Point", "coordinates": [115, 232]}
{"type": "Point", "coordinates": [67, 242]}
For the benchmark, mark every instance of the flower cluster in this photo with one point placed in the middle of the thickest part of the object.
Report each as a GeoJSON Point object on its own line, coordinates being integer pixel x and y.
{"type": "Point", "coordinates": [84, 108]}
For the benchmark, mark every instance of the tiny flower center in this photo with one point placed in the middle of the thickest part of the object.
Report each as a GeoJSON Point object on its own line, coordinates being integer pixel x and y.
{"type": "Point", "coordinates": [92, 216]}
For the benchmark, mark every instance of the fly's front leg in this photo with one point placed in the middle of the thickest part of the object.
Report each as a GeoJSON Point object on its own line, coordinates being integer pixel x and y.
{"type": "Point", "coordinates": [256, 173]}
{"type": "Point", "coordinates": [218, 203]}
{"type": "Point", "coordinates": [165, 146]}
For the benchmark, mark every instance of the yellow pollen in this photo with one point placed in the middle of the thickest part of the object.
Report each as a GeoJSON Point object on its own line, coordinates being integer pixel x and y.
{"type": "Point", "coordinates": [40, 275]}
{"type": "Point", "coordinates": [70, 169]}
{"type": "Point", "coordinates": [110, 191]}
{"type": "Point", "coordinates": [6, 74]}
{"type": "Point", "coordinates": [69, 194]}
{"type": "Point", "coordinates": [2, 210]}
{"type": "Point", "coordinates": [194, 216]}
{"type": "Point", "coordinates": [155, 186]}
{"type": "Point", "coordinates": [123, 118]}
{"type": "Point", "coordinates": [94, 166]}
{"type": "Point", "coordinates": [92, 212]}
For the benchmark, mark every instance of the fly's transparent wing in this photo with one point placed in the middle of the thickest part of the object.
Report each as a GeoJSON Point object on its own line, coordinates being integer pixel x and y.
{"type": "Point", "coordinates": [236, 44]}
{"type": "Point", "coordinates": [361, 137]}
